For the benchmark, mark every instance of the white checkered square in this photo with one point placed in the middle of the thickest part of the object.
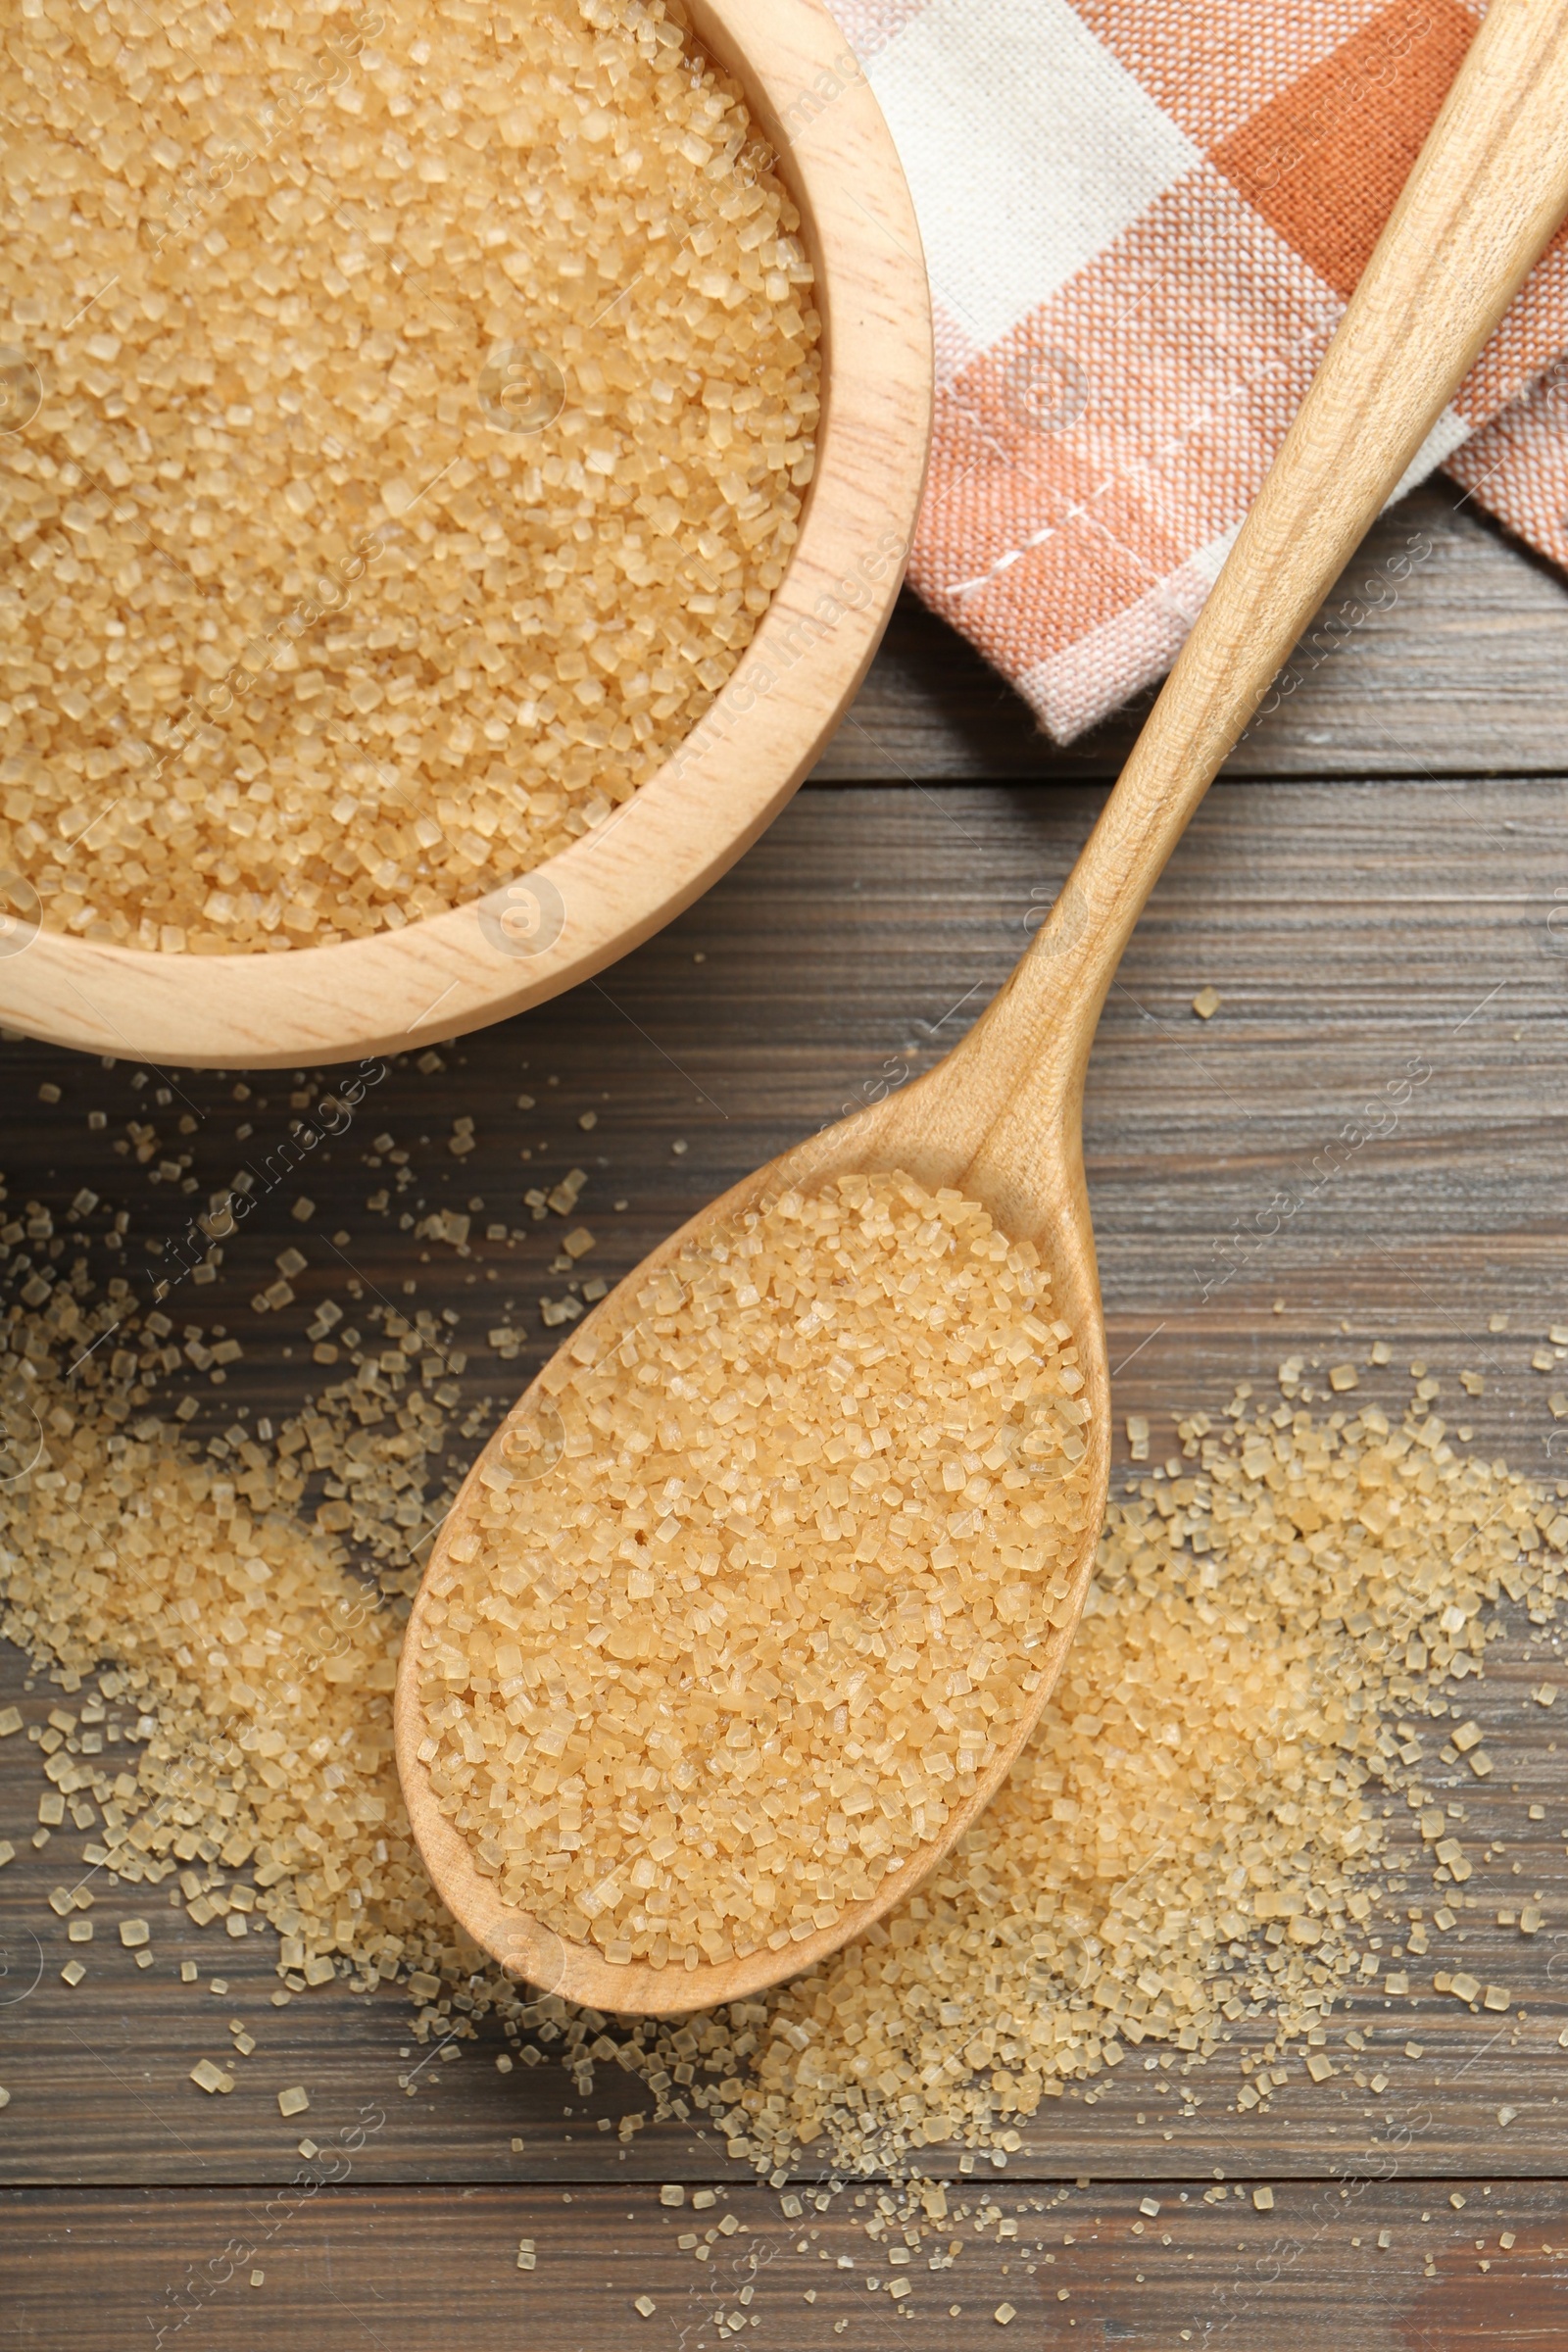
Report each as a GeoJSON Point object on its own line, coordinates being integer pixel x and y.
{"type": "Point", "coordinates": [1014, 198]}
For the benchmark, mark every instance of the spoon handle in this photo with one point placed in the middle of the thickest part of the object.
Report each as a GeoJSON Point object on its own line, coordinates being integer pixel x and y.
{"type": "Point", "coordinates": [1487, 191]}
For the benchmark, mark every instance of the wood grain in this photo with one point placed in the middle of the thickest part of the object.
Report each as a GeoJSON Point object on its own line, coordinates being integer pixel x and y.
{"type": "Point", "coordinates": [1443, 649]}
{"type": "Point", "coordinates": [418, 2269]}
{"type": "Point", "coordinates": [1345, 928]}
{"type": "Point", "coordinates": [726, 782]}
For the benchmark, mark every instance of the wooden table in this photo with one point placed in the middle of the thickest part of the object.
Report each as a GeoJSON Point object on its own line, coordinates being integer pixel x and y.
{"type": "Point", "coordinates": [1382, 872]}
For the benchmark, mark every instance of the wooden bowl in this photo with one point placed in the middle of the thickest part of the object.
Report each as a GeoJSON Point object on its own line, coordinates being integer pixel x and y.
{"type": "Point", "coordinates": [579, 911]}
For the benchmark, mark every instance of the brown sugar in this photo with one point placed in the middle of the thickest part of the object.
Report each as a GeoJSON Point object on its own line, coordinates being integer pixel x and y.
{"type": "Point", "coordinates": [752, 1599]}
{"type": "Point", "coordinates": [393, 473]}
{"type": "Point", "coordinates": [1193, 1832]}
{"type": "Point", "coordinates": [256, 1665]}
{"type": "Point", "coordinates": [1279, 1638]}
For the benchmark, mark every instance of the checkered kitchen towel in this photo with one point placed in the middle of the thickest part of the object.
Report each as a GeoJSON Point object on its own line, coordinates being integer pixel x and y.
{"type": "Point", "coordinates": [1143, 218]}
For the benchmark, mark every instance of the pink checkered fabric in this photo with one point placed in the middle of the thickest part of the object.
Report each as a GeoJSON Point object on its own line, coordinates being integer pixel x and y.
{"type": "Point", "coordinates": [1142, 219]}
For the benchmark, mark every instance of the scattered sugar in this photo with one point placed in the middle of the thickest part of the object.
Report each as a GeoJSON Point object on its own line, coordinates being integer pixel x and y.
{"type": "Point", "coordinates": [395, 493]}
{"type": "Point", "coordinates": [261, 1664]}
{"type": "Point", "coordinates": [1190, 1837]}
{"type": "Point", "coordinates": [755, 1598]}
{"type": "Point", "coordinates": [1189, 1840]}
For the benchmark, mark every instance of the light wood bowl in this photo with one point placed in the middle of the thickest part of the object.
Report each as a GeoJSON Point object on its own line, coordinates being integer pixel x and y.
{"type": "Point", "coordinates": [715, 794]}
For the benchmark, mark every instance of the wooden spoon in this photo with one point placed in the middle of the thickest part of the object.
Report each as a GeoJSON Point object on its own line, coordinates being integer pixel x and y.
{"type": "Point", "coordinates": [1000, 1116]}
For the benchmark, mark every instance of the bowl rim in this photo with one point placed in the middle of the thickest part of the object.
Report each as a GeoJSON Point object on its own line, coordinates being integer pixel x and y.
{"type": "Point", "coordinates": [723, 785]}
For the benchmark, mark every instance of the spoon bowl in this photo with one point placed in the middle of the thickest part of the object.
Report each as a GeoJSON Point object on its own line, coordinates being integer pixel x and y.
{"type": "Point", "coordinates": [929, 1132]}
{"type": "Point", "coordinates": [1001, 1118]}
